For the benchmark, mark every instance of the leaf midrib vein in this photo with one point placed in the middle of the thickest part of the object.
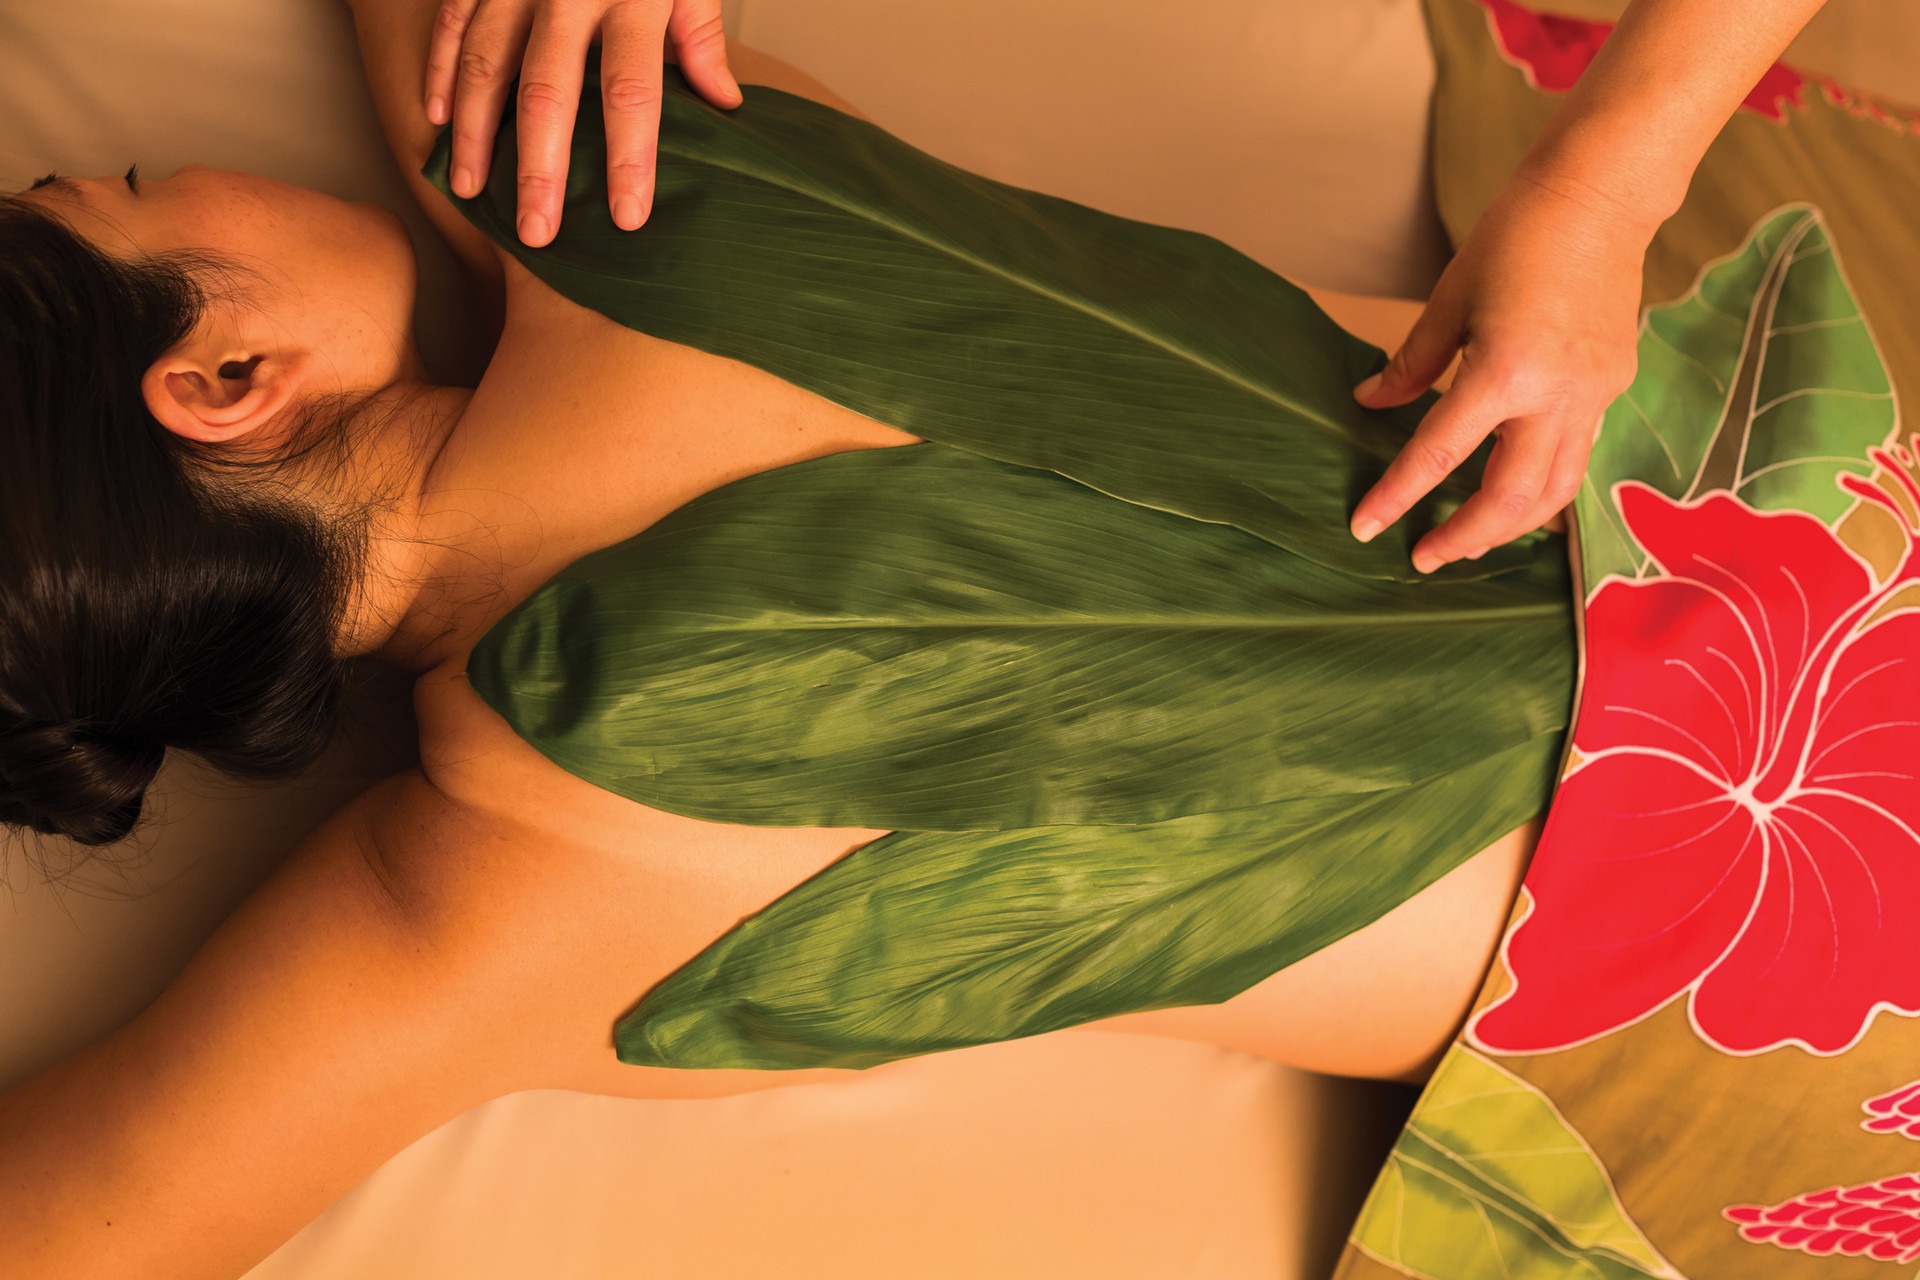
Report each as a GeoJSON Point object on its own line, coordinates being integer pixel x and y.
{"type": "Point", "coordinates": [1035, 287]}
{"type": "Point", "coordinates": [1208, 622]}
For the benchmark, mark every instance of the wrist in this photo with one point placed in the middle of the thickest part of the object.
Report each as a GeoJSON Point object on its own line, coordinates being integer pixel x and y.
{"type": "Point", "coordinates": [1629, 199]}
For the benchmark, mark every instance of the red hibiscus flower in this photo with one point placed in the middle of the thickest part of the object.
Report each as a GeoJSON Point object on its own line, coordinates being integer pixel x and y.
{"type": "Point", "coordinates": [1743, 826]}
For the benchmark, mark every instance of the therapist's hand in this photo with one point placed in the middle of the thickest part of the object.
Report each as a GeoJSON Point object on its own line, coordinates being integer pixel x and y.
{"type": "Point", "coordinates": [1543, 304]}
{"type": "Point", "coordinates": [479, 46]}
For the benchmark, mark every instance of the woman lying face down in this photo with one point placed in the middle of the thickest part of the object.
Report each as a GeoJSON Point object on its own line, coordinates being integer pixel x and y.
{"type": "Point", "coordinates": [228, 470]}
{"type": "Point", "coordinates": [298, 503]}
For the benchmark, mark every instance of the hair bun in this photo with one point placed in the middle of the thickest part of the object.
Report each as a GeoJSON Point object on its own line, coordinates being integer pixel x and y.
{"type": "Point", "coordinates": [62, 780]}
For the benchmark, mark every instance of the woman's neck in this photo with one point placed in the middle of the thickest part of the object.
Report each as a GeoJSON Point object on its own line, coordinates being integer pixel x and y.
{"type": "Point", "coordinates": [426, 555]}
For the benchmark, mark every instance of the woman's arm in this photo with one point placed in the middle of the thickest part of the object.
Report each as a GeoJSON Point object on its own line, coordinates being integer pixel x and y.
{"type": "Point", "coordinates": [1542, 301]}
{"type": "Point", "coordinates": [325, 1026]}
{"type": "Point", "coordinates": [291, 1056]}
{"type": "Point", "coordinates": [1670, 74]}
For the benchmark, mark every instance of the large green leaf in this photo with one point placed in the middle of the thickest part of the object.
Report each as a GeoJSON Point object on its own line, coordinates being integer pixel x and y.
{"type": "Point", "coordinates": [919, 942]}
{"type": "Point", "coordinates": [1146, 723]}
{"type": "Point", "coordinates": [1488, 1179]}
{"type": "Point", "coordinates": [1018, 326]}
{"type": "Point", "coordinates": [920, 638]}
{"type": "Point", "coordinates": [1763, 380]}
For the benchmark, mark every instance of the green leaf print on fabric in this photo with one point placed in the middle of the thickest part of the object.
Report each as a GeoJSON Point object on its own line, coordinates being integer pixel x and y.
{"type": "Point", "coordinates": [1763, 380]}
{"type": "Point", "coordinates": [1488, 1179]}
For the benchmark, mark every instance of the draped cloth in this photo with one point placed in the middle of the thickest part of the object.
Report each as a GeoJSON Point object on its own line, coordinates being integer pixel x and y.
{"type": "Point", "coordinates": [1696, 1053]}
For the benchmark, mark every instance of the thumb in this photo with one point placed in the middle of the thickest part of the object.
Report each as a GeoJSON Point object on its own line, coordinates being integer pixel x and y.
{"type": "Point", "coordinates": [1423, 357]}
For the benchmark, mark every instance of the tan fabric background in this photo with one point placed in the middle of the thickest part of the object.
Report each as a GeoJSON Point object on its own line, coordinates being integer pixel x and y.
{"type": "Point", "coordinates": [1293, 130]}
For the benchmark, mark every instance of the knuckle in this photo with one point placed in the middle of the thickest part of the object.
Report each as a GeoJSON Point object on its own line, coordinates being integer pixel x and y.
{"type": "Point", "coordinates": [534, 186]}
{"type": "Point", "coordinates": [1515, 502]}
{"type": "Point", "coordinates": [1438, 458]}
{"type": "Point", "coordinates": [1624, 373]}
{"type": "Point", "coordinates": [629, 175]}
{"type": "Point", "coordinates": [1551, 395]}
{"type": "Point", "coordinates": [469, 141]}
{"type": "Point", "coordinates": [1539, 385]}
{"type": "Point", "coordinates": [542, 95]}
{"type": "Point", "coordinates": [632, 94]}
{"type": "Point", "coordinates": [707, 31]}
{"type": "Point", "coordinates": [477, 68]}
{"type": "Point", "coordinates": [1503, 366]}
{"type": "Point", "coordinates": [655, 17]}
{"type": "Point", "coordinates": [450, 17]}
{"type": "Point", "coordinates": [1564, 491]}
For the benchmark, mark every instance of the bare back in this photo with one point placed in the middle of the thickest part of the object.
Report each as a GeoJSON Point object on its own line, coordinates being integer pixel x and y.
{"type": "Point", "coordinates": [583, 433]}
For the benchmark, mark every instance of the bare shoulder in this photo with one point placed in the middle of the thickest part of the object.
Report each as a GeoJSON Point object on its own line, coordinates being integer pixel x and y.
{"type": "Point", "coordinates": [563, 900]}
{"type": "Point", "coordinates": [751, 67]}
{"type": "Point", "coordinates": [520, 288]}
{"type": "Point", "coordinates": [394, 38]}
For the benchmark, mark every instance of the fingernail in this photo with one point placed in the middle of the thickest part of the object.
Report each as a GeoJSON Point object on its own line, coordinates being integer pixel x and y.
{"type": "Point", "coordinates": [437, 109]}
{"type": "Point", "coordinates": [626, 213]}
{"type": "Point", "coordinates": [726, 77]}
{"type": "Point", "coordinates": [1365, 527]}
{"type": "Point", "coordinates": [533, 227]}
{"type": "Point", "coordinates": [1477, 552]}
{"type": "Point", "coordinates": [1367, 388]}
{"type": "Point", "coordinates": [464, 184]}
{"type": "Point", "coordinates": [1425, 561]}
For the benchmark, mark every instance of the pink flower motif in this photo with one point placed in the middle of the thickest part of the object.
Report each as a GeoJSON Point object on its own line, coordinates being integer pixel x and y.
{"type": "Point", "coordinates": [1900, 119]}
{"type": "Point", "coordinates": [1554, 51]}
{"type": "Point", "coordinates": [1878, 1220]}
{"type": "Point", "coordinates": [1896, 1112]}
{"type": "Point", "coordinates": [1743, 826]}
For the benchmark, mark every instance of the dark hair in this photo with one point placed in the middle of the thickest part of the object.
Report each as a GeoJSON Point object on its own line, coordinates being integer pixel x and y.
{"type": "Point", "coordinates": [145, 603]}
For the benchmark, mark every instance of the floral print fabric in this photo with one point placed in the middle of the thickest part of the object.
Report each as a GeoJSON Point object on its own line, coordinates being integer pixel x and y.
{"type": "Point", "coordinates": [1755, 847]}
{"type": "Point", "coordinates": [1694, 1053]}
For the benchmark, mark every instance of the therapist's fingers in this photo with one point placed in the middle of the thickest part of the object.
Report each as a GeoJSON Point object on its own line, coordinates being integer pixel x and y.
{"type": "Point", "coordinates": [1429, 348]}
{"type": "Point", "coordinates": [1421, 359]}
{"type": "Point", "coordinates": [632, 54]}
{"type": "Point", "coordinates": [1452, 429]}
{"type": "Point", "coordinates": [549, 100]}
{"type": "Point", "coordinates": [1511, 489]}
{"type": "Point", "coordinates": [1565, 476]}
{"type": "Point", "coordinates": [443, 55]}
{"type": "Point", "coordinates": [486, 61]}
{"type": "Point", "coordinates": [701, 43]}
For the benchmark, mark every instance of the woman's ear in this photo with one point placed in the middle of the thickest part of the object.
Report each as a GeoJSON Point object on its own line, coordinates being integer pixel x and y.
{"type": "Point", "coordinates": [224, 401]}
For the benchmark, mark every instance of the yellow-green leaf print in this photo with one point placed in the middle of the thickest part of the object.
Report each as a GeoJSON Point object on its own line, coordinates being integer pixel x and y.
{"type": "Point", "coordinates": [1763, 380]}
{"type": "Point", "coordinates": [1489, 1180]}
